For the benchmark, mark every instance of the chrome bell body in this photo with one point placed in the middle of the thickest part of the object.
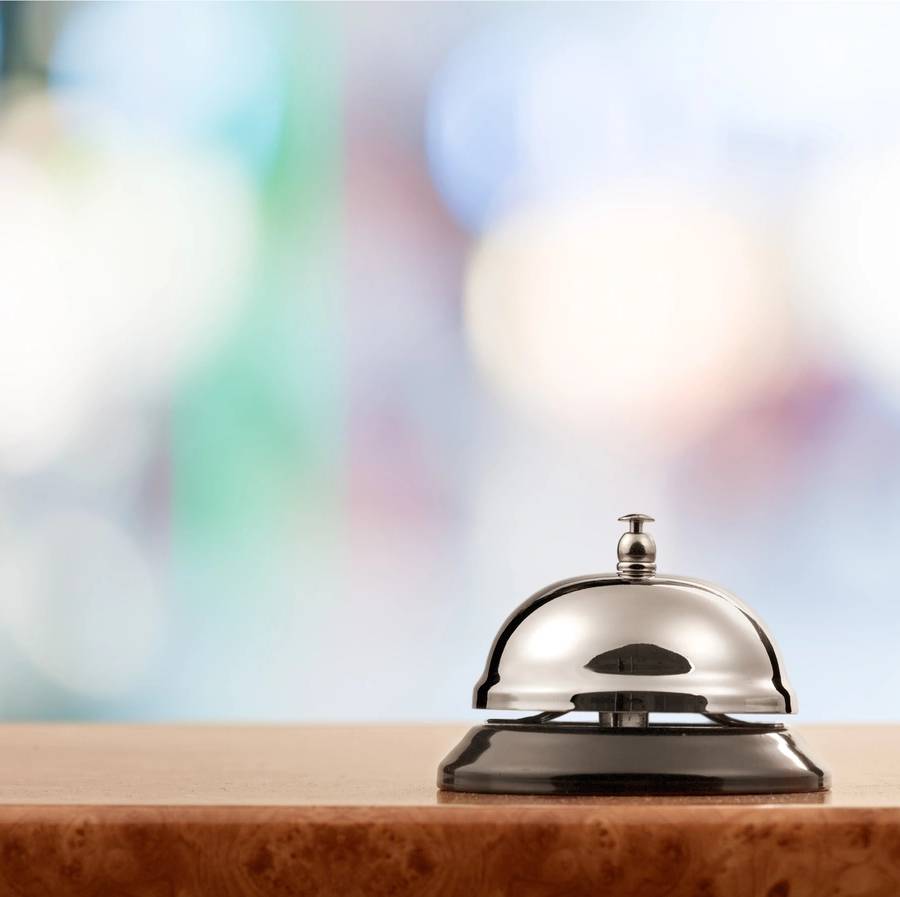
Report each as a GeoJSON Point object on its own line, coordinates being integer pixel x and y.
{"type": "Point", "coordinates": [626, 645]}
{"type": "Point", "coordinates": [669, 644]}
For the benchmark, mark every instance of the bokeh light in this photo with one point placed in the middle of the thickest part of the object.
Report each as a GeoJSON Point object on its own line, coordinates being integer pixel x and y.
{"type": "Point", "coordinates": [829, 74]}
{"type": "Point", "coordinates": [126, 265]}
{"type": "Point", "coordinates": [537, 108]}
{"type": "Point", "coordinates": [644, 315]}
{"type": "Point", "coordinates": [471, 129]}
{"type": "Point", "coordinates": [848, 262]}
{"type": "Point", "coordinates": [192, 70]}
{"type": "Point", "coordinates": [80, 602]}
{"type": "Point", "coordinates": [45, 379]}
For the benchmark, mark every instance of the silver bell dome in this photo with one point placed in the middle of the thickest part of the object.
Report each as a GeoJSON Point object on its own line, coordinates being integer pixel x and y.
{"type": "Point", "coordinates": [632, 641]}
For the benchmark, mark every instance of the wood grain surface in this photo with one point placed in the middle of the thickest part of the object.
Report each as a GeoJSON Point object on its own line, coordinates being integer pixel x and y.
{"type": "Point", "coordinates": [142, 810]}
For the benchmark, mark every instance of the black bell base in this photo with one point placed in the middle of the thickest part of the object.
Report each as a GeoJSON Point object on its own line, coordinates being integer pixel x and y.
{"type": "Point", "coordinates": [581, 758]}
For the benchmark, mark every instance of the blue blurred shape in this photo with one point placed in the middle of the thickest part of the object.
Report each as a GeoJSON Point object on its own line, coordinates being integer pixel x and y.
{"type": "Point", "coordinates": [196, 71]}
{"type": "Point", "coordinates": [542, 108]}
{"type": "Point", "coordinates": [473, 144]}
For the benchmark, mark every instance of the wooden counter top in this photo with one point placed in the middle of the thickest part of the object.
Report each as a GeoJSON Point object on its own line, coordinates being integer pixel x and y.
{"type": "Point", "coordinates": [185, 810]}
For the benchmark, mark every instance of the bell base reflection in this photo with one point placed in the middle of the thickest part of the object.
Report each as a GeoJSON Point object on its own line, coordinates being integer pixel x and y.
{"type": "Point", "coordinates": [581, 758]}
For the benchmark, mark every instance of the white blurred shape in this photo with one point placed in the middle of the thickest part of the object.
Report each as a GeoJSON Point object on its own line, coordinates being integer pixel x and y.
{"type": "Point", "coordinates": [799, 70]}
{"type": "Point", "coordinates": [79, 602]}
{"type": "Point", "coordinates": [645, 315]}
{"type": "Point", "coordinates": [190, 69]}
{"type": "Point", "coordinates": [119, 269]}
{"type": "Point", "coordinates": [848, 260]}
{"type": "Point", "coordinates": [44, 368]}
{"type": "Point", "coordinates": [166, 243]}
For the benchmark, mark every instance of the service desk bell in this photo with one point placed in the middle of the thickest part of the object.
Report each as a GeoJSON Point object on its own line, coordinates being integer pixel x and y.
{"type": "Point", "coordinates": [625, 646]}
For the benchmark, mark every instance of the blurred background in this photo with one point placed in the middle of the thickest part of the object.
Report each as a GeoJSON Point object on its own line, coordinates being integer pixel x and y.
{"type": "Point", "coordinates": [328, 334]}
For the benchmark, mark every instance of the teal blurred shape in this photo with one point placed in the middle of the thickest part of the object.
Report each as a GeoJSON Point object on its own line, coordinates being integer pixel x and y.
{"type": "Point", "coordinates": [203, 72]}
